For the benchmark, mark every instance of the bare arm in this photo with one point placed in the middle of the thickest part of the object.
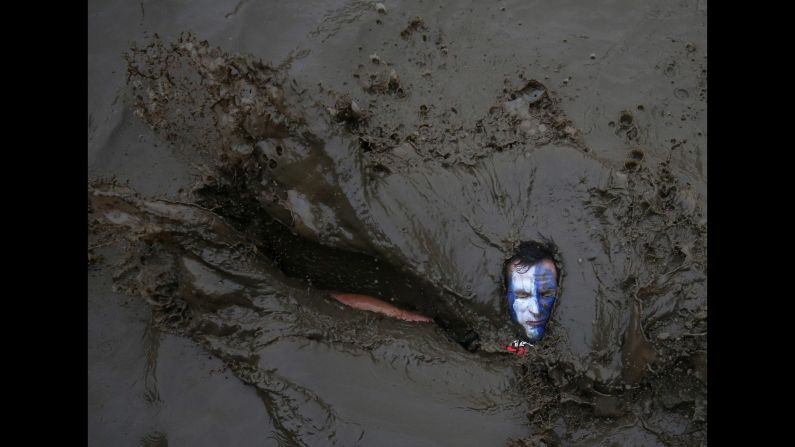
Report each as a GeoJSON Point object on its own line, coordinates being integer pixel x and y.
{"type": "Point", "coordinates": [372, 304]}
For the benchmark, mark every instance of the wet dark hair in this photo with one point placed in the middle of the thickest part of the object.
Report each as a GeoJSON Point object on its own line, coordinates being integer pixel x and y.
{"type": "Point", "coordinates": [528, 253]}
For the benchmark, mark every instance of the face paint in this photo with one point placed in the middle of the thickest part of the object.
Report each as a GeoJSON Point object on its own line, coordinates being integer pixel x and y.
{"type": "Point", "coordinates": [531, 296]}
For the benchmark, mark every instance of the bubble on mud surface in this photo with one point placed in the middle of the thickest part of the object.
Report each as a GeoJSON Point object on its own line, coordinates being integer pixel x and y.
{"type": "Point", "coordinates": [625, 119]}
{"type": "Point", "coordinates": [670, 70]}
{"type": "Point", "coordinates": [628, 127]}
{"type": "Point", "coordinates": [154, 439]}
{"type": "Point", "coordinates": [681, 93]}
{"type": "Point", "coordinates": [636, 154]}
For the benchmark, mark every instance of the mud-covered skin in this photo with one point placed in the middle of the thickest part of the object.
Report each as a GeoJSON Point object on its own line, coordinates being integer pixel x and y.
{"type": "Point", "coordinates": [449, 222]}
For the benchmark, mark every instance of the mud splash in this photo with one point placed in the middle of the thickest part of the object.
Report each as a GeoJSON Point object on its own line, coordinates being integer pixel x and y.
{"type": "Point", "coordinates": [207, 281]}
{"type": "Point", "coordinates": [306, 192]}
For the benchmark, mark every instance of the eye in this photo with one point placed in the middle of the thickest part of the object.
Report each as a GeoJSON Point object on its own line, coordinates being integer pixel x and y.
{"type": "Point", "coordinates": [522, 294]}
{"type": "Point", "coordinates": [547, 300]}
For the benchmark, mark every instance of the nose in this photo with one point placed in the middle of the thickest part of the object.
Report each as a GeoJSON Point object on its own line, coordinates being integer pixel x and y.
{"type": "Point", "coordinates": [534, 308]}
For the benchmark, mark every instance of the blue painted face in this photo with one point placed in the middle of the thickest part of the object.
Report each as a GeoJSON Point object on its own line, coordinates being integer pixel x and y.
{"type": "Point", "coordinates": [531, 296]}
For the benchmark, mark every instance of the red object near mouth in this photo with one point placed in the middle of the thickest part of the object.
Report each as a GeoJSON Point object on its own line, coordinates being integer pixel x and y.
{"type": "Point", "coordinates": [520, 351]}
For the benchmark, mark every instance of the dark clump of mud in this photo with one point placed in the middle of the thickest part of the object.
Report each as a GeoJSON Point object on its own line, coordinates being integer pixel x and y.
{"type": "Point", "coordinates": [404, 124]}
{"type": "Point", "coordinates": [300, 196]}
{"type": "Point", "coordinates": [415, 25]}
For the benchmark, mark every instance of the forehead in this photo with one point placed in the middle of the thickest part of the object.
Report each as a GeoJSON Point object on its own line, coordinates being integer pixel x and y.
{"type": "Point", "coordinates": [543, 270]}
{"type": "Point", "coordinates": [545, 264]}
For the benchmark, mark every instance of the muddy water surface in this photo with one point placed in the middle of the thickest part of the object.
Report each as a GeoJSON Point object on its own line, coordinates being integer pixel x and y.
{"type": "Point", "coordinates": [244, 163]}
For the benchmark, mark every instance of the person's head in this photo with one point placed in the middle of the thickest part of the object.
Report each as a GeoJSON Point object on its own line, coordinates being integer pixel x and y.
{"type": "Point", "coordinates": [531, 281]}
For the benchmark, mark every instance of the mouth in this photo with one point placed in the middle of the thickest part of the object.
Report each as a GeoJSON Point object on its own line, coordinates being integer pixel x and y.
{"type": "Point", "coordinates": [535, 323]}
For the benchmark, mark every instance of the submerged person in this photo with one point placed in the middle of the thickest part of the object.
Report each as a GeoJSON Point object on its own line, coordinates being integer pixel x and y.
{"type": "Point", "coordinates": [531, 288]}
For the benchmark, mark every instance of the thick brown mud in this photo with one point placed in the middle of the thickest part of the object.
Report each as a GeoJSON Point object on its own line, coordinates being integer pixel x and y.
{"type": "Point", "coordinates": [409, 167]}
